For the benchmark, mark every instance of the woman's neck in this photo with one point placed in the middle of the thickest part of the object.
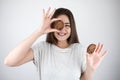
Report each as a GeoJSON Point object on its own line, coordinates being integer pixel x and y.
{"type": "Point", "coordinates": [62, 44]}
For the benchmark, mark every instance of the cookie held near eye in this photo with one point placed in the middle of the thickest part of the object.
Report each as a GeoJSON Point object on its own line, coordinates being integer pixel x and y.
{"type": "Point", "coordinates": [91, 48]}
{"type": "Point", "coordinates": [58, 25]}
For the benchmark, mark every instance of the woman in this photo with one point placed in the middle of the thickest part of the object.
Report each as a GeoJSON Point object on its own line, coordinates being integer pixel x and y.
{"type": "Point", "coordinates": [60, 57]}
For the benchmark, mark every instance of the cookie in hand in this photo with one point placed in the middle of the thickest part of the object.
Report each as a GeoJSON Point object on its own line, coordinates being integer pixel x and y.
{"type": "Point", "coordinates": [58, 25]}
{"type": "Point", "coordinates": [91, 48]}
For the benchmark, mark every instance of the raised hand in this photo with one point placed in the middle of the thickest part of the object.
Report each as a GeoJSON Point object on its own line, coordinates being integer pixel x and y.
{"type": "Point", "coordinates": [47, 21]}
{"type": "Point", "coordinates": [94, 60]}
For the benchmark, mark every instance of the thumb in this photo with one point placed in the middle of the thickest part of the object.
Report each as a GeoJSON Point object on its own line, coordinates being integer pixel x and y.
{"type": "Point", "coordinates": [87, 56]}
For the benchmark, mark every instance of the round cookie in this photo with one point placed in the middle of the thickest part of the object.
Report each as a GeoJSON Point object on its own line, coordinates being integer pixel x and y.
{"type": "Point", "coordinates": [91, 48]}
{"type": "Point", "coordinates": [58, 25]}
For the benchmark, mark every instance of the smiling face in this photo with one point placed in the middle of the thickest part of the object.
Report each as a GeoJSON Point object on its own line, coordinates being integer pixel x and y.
{"type": "Point", "coordinates": [68, 33]}
{"type": "Point", "coordinates": [65, 33]}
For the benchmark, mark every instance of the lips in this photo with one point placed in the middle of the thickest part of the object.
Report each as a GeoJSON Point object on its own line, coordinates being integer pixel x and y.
{"type": "Point", "coordinates": [62, 34]}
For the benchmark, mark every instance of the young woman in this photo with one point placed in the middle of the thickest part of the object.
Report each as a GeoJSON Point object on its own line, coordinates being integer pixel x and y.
{"type": "Point", "coordinates": [60, 57]}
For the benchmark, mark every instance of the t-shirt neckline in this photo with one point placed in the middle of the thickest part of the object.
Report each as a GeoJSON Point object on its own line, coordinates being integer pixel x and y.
{"type": "Point", "coordinates": [56, 48]}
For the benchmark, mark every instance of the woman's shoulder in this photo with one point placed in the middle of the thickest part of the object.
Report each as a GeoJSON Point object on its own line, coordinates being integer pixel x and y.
{"type": "Point", "coordinates": [77, 45]}
{"type": "Point", "coordinates": [43, 44]}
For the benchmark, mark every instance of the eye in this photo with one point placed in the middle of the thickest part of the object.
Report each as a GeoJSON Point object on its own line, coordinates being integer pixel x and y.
{"type": "Point", "coordinates": [67, 25]}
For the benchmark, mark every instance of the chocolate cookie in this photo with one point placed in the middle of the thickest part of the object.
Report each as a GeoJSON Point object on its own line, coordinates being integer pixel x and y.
{"type": "Point", "coordinates": [91, 48]}
{"type": "Point", "coordinates": [58, 25]}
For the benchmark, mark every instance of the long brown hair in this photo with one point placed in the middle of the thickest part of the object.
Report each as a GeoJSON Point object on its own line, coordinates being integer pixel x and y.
{"type": "Point", "coordinates": [73, 37]}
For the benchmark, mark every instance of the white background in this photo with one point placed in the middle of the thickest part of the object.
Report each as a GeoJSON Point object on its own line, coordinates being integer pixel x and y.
{"type": "Point", "coordinates": [96, 20]}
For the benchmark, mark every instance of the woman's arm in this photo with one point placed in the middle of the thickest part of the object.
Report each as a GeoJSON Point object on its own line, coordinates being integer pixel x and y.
{"type": "Point", "coordinates": [23, 52]}
{"type": "Point", "coordinates": [93, 61]}
{"type": "Point", "coordinates": [87, 75]}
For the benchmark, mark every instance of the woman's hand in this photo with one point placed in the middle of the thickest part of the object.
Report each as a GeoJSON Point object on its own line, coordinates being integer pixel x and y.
{"type": "Point", "coordinates": [94, 60]}
{"type": "Point", "coordinates": [45, 27]}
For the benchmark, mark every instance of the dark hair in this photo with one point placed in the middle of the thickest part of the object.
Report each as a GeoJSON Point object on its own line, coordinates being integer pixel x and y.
{"type": "Point", "coordinates": [73, 37]}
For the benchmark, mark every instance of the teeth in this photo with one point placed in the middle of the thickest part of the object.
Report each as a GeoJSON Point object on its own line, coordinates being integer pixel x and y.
{"type": "Point", "coordinates": [61, 34]}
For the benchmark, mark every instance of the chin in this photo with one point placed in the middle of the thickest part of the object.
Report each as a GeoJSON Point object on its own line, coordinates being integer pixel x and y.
{"type": "Point", "coordinates": [61, 39]}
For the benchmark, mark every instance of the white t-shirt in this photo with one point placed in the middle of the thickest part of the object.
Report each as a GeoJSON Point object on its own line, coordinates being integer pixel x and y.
{"type": "Point", "coordinates": [54, 63]}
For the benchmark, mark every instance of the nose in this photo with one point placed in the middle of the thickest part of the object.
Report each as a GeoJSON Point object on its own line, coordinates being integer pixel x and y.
{"type": "Point", "coordinates": [63, 29]}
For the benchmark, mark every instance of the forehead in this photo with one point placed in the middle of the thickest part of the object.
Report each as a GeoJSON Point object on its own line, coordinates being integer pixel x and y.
{"type": "Point", "coordinates": [64, 18]}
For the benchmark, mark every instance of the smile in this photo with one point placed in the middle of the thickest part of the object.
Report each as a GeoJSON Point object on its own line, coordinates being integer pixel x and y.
{"type": "Point", "coordinates": [62, 34]}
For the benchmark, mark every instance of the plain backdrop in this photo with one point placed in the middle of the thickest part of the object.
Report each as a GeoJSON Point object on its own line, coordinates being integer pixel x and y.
{"type": "Point", "coordinates": [96, 20]}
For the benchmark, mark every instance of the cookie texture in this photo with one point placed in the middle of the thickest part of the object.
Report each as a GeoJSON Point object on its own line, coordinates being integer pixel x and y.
{"type": "Point", "coordinates": [58, 25]}
{"type": "Point", "coordinates": [91, 48]}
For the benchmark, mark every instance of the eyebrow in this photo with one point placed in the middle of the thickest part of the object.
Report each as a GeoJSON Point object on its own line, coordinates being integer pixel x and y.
{"type": "Point", "coordinates": [67, 23]}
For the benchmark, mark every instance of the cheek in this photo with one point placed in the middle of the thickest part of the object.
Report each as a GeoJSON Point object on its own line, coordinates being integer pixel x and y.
{"type": "Point", "coordinates": [69, 30]}
{"type": "Point", "coordinates": [55, 34]}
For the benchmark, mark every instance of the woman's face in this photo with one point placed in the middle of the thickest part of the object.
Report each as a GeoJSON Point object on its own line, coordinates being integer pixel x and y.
{"type": "Point", "coordinates": [65, 33]}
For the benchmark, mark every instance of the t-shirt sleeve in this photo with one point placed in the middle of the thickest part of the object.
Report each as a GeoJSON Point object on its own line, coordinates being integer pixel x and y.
{"type": "Point", "coordinates": [37, 50]}
{"type": "Point", "coordinates": [83, 60]}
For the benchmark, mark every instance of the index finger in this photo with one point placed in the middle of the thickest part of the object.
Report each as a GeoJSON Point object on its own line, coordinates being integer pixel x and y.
{"type": "Point", "coordinates": [50, 16]}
